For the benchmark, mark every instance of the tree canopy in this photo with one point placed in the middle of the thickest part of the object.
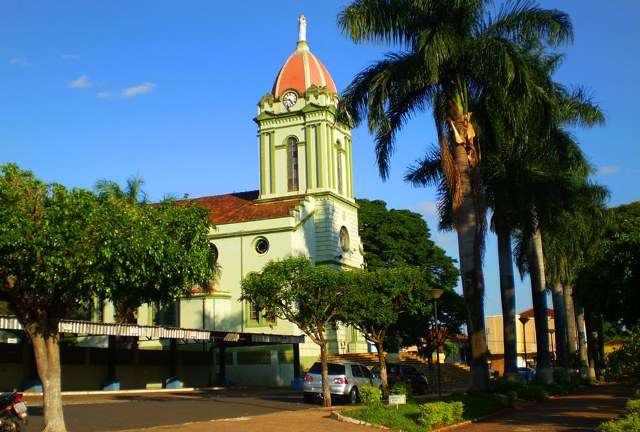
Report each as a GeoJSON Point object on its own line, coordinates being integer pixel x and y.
{"type": "Point", "coordinates": [60, 248]}
{"type": "Point", "coordinates": [393, 237]}
{"type": "Point", "coordinates": [375, 300]}
{"type": "Point", "coordinates": [609, 279]}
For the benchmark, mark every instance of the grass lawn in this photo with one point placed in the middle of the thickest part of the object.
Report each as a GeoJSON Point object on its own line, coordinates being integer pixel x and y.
{"type": "Point", "coordinates": [405, 417]}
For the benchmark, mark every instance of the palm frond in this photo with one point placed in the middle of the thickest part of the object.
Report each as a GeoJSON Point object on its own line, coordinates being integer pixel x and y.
{"type": "Point", "coordinates": [426, 171]}
{"type": "Point", "coordinates": [388, 21]}
{"type": "Point", "coordinates": [527, 24]}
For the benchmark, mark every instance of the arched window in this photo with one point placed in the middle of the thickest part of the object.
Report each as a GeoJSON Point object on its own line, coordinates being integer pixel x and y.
{"type": "Point", "coordinates": [292, 164]}
{"type": "Point", "coordinates": [339, 167]}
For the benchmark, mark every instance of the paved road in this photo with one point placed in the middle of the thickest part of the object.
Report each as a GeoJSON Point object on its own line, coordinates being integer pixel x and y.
{"type": "Point", "coordinates": [121, 412]}
{"type": "Point", "coordinates": [579, 412]}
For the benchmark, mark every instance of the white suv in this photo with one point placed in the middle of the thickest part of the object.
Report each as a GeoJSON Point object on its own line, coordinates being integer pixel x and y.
{"type": "Point", "coordinates": [344, 380]}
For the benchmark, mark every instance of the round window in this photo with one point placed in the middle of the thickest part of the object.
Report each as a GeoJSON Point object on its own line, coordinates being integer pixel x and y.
{"type": "Point", "coordinates": [213, 253]}
{"type": "Point", "coordinates": [344, 239]}
{"type": "Point", "coordinates": [262, 245]}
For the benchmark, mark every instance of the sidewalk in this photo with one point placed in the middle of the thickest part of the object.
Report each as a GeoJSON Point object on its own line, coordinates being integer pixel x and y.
{"type": "Point", "coordinates": [309, 420]}
{"type": "Point", "coordinates": [578, 412]}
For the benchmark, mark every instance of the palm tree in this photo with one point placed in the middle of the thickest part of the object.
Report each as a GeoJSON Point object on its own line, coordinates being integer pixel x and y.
{"type": "Point", "coordinates": [565, 244]}
{"type": "Point", "coordinates": [452, 51]}
{"type": "Point", "coordinates": [132, 193]}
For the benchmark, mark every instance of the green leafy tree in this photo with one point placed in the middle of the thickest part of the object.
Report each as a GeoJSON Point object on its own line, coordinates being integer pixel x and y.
{"type": "Point", "coordinates": [61, 248]}
{"type": "Point", "coordinates": [450, 52]}
{"type": "Point", "coordinates": [296, 291]}
{"type": "Point", "coordinates": [393, 237]}
{"type": "Point", "coordinates": [375, 300]}
{"type": "Point", "coordinates": [610, 276]}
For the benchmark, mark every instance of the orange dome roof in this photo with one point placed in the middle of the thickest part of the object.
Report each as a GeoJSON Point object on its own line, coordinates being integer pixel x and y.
{"type": "Point", "coordinates": [302, 69]}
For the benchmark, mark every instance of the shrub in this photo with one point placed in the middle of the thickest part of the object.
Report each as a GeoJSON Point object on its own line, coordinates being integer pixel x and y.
{"type": "Point", "coordinates": [623, 364]}
{"type": "Point", "coordinates": [561, 375]}
{"type": "Point", "coordinates": [633, 406]}
{"type": "Point", "coordinates": [636, 394]}
{"type": "Point", "coordinates": [370, 396]}
{"type": "Point", "coordinates": [628, 424]}
{"type": "Point", "coordinates": [401, 388]}
{"type": "Point", "coordinates": [576, 380]}
{"type": "Point", "coordinates": [503, 385]}
{"type": "Point", "coordinates": [534, 392]}
{"type": "Point", "coordinates": [436, 414]}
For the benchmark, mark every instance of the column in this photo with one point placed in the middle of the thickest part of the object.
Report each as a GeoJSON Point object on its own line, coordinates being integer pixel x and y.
{"type": "Point", "coordinates": [222, 361]}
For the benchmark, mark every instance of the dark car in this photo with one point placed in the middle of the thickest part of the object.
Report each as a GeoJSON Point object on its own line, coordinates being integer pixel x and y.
{"type": "Point", "coordinates": [407, 374]}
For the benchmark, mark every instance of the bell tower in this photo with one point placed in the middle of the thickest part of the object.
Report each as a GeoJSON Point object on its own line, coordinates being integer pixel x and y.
{"type": "Point", "coordinates": [303, 148]}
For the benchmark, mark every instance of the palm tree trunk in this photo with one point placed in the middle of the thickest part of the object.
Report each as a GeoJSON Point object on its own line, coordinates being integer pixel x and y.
{"type": "Point", "coordinates": [582, 344]}
{"type": "Point", "coordinates": [508, 297]}
{"type": "Point", "coordinates": [470, 241]}
{"type": "Point", "coordinates": [544, 373]}
{"type": "Point", "coordinates": [560, 324]}
{"type": "Point", "coordinates": [572, 330]}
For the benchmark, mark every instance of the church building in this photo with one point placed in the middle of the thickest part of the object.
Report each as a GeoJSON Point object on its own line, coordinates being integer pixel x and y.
{"type": "Point", "coordinates": [304, 206]}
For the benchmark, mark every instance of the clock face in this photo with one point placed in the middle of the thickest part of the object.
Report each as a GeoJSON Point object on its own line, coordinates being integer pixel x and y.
{"type": "Point", "coordinates": [289, 99]}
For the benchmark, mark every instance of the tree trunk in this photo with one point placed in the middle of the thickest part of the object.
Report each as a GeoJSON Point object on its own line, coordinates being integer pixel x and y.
{"type": "Point", "coordinates": [470, 232]}
{"type": "Point", "coordinates": [560, 324]}
{"type": "Point", "coordinates": [47, 353]}
{"type": "Point", "coordinates": [601, 356]}
{"type": "Point", "coordinates": [382, 360]}
{"type": "Point", "coordinates": [572, 330]}
{"type": "Point", "coordinates": [593, 343]}
{"type": "Point", "coordinates": [508, 297]}
{"type": "Point", "coordinates": [324, 359]}
{"type": "Point", "coordinates": [544, 373]}
{"type": "Point", "coordinates": [582, 343]}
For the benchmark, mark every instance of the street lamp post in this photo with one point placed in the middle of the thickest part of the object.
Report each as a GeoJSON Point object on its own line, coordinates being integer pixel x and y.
{"type": "Point", "coordinates": [524, 321]}
{"type": "Point", "coordinates": [435, 295]}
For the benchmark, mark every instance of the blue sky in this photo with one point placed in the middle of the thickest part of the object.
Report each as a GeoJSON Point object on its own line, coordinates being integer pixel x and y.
{"type": "Point", "coordinates": [168, 90]}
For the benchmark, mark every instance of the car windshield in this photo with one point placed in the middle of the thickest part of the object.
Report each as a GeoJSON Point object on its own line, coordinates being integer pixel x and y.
{"type": "Point", "coordinates": [334, 369]}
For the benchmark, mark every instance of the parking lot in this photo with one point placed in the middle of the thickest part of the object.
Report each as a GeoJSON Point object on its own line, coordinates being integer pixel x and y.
{"type": "Point", "coordinates": [99, 413]}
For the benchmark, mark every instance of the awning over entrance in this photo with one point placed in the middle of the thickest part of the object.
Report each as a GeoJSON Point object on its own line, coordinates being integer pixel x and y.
{"type": "Point", "coordinates": [158, 332]}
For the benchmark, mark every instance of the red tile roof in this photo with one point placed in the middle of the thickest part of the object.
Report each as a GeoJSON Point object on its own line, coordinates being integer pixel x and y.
{"type": "Point", "coordinates": [529, 313]}
{"type": "Point", "coordinates": [242, 207]}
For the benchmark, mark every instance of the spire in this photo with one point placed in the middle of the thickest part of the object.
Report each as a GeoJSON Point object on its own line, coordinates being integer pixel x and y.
{"type": "Point", "coordinates": [302, 33]}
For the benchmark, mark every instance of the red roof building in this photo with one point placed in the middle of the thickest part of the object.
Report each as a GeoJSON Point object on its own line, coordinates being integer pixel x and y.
{"type": "Point", "coordinates": [243, 207]}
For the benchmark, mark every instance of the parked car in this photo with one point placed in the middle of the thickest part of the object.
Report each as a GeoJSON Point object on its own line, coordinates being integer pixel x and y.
{"type": "Point", "coordinates": [407, 374]}
{"type": "Point", "coordinates": [526, 374]}
{"type": "Point", "coordinates": [344, 380]}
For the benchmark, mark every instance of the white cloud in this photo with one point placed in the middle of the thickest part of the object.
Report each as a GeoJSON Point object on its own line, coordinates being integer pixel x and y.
{"type": "Point", "coordinates": [426, 208]}
{"type": "Point", "coordinates": [103, 95]}
{"type": "Point", "coordinates": [70, 57]}
{"type": "Point", "coordinates": [138, 90]}
{"type": "Point", "coordinates": [19, 61]}
{"type": "Point", "coordinates": [605, 170]}
{"type": "Point", "coordinates": [82, 82]}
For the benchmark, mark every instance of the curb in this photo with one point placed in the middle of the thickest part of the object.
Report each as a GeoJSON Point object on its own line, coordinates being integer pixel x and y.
{"type": "Point", "coordinates": [339, 417]}
{"type": "Point", "coordinates": [140, 391]}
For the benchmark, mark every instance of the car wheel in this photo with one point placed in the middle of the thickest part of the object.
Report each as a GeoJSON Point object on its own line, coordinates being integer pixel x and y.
{"type": "Point", "coordinates": [353, 396]}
